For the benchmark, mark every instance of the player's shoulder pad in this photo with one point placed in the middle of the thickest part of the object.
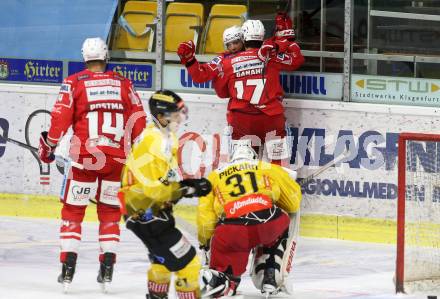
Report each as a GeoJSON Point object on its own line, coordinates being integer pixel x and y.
{"type": "Point", "coordinates": [217, 59]}
{"type": "Point", "coordinates": [66, 86]}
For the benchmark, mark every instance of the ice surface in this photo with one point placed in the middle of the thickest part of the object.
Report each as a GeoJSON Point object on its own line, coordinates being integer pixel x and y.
{"type": "Point", "coordinates": [323, 268]}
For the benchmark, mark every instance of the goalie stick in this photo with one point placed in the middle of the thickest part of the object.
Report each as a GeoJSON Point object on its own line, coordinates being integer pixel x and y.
{"type": "Point", "coordinates": [291, 242]}
{"type": "Point", "coordinates": [323, 168]}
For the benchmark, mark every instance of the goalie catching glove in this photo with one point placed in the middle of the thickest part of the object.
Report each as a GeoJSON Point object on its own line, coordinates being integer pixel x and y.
{"type": "Point", "coordinates": [195, 187]}
{"type": "Point", "coordinates": [45, 150]}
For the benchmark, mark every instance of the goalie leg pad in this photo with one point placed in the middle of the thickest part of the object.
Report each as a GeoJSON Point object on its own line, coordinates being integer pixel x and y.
{"type": "Point", "coordinates": [258, 266]}
{"type": "Point", "coordinates": [289, 253]}
{"type": "Point", "coordinates": [279, 257]}
{"type": "Point", "coordinates": [268, 261]}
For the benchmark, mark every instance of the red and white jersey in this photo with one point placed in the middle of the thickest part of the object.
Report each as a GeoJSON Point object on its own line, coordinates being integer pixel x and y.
{"type": "Point", "coordinates": [249, 89]}
{"type": "Point", "coordinates": [104, 110]}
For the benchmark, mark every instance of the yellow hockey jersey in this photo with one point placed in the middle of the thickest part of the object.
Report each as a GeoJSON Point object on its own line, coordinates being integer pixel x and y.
{"type": "Point", "coordinates": [243, 187]}
{"type": "Point", "coordinates": [150, 176]}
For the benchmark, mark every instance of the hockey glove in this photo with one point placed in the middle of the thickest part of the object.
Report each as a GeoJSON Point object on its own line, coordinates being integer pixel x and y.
{"type": "Point", "coordinates": [268, 50]}
{"type": "Point", "coordinates": [186, 52]}
{"type": "Point", "coordinates": [195, 187]}
{"type": "Point", "coordinates": [46, 151]}
{"type": "Point", "coordinates": [284, 27]}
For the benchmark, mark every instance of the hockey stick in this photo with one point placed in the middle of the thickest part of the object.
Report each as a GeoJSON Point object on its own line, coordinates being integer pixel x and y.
{"type": "Point", "coordinates": [59, 159]}
{"type": "Point", "coordinates": [323, 168]}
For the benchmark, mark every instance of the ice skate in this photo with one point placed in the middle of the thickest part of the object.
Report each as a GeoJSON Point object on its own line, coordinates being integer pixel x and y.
{"type": "Point", "coordinates": [156, 296]}
{"type": "Point", "coordinates": [68, 270]}
{"type": "Point", "coordinates": [105, 273]}
{"type": "Point", "coordinates": [269, 285]}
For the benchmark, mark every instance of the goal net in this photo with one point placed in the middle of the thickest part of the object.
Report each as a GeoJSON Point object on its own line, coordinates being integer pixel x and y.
{"type": "Point", "coordinates": [418, 213]}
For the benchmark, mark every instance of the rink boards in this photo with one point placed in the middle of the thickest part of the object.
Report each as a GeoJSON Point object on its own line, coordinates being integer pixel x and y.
{"type": "Point", "coordinates": [356, 200]}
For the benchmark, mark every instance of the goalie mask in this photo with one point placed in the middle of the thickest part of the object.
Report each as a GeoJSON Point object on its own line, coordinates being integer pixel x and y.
{"type": "Point", "coordinates": [94, 49]}
{"type": "Point", "coordinates": [167, 105]}
{"type": "Point", "coordinates": [242, 150]}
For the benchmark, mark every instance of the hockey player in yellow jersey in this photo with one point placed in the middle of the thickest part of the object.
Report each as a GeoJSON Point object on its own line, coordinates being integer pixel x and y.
{"type": "Point", "coordinates": [151, 185]}
{"type": "Point", "coordinates": [247, 209]}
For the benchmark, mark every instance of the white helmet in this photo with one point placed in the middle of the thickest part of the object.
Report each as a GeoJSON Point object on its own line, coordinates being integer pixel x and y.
{"type": "Point", "coordinates": [242, 149]}
{"type": "Point", "coordinates": [253, 30]}
{"type": "Point", "coordinates": [94, 49]}
{"type": "Point", "coordinates": [231, 34]}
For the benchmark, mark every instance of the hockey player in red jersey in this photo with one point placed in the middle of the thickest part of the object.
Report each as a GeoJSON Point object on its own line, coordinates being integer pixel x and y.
{"type": "Point", "coordinates": [106, 116]}
{"type": "Point", "coordinates": [233, 43]}
{"type": "Point", "coordinates": [251, 80]}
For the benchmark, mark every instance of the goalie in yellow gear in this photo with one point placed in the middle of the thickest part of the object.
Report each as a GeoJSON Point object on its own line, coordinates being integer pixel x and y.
{"type": "Point", "coordinates": [248, 208]}
{"type": "Point", "coordinates": [151, 185]}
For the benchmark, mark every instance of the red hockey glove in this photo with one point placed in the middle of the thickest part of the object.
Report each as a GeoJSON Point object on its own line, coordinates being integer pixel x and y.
{"type": "Point", "coordinates": [268, 50]}
{"type": "Point", "coordinates": [284, 27]}
{"type": "Point", "coordinates": [45, 151]}
{"type": "Point", "coordinates": [186, 52]}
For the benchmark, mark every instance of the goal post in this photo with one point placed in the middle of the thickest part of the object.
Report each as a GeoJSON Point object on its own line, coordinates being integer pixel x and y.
{"type": "Point", "coordinates": [418, 213]}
